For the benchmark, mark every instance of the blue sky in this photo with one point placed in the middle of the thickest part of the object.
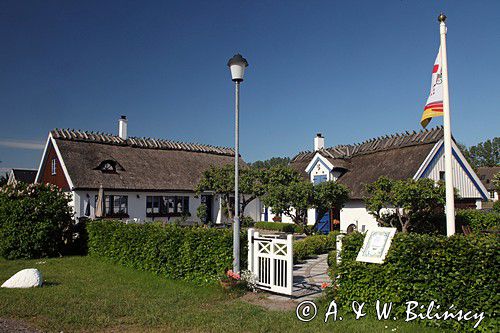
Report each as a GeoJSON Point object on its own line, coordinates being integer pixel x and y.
{"type": "Point", "coordinates": [349, 69]}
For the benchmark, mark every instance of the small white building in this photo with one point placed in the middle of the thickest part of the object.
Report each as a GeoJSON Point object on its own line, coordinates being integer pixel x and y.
{"type": "Point", "coordinates": [142, 178]}
{"type": "Point", "coordinates": [400, 156]}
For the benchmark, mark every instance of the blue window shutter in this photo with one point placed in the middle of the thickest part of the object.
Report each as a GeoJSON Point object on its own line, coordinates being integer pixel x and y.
{"type": "Point", "coordinates": [319, 179]}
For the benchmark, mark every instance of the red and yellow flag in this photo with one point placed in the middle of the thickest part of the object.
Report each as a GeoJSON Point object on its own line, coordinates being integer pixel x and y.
{"type": "Point", "coordinates": [434, 105]}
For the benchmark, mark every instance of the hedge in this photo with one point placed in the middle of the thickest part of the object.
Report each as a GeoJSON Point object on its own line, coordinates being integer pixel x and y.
{"type": "Point", "coordinates": [197, 254]}
{"type": "Point", "coordinates": [280, 226]}
{"type": "Point", "coordinates": [479, 220]}
{"type": "Point", "coordinates": [314, 245]}
{"type": "Point", "coordinates": [460, 270]}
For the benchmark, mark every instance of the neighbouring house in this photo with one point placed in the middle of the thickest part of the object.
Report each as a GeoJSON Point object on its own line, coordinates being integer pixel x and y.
{"type": "Point", "coordinates": [486, 175]}
{"type": "Point", "coordinates": [142, 178]}
{"type": "Point", "coordinates": [398, 156]}
{"type": "Point", "coordinates": [22, 176]}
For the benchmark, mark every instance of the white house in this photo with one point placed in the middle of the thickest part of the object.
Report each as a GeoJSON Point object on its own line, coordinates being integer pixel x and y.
{"type": "Point", "coordinates": [400, 156]}
{"type": "Point", "coordinates": [142, 178]}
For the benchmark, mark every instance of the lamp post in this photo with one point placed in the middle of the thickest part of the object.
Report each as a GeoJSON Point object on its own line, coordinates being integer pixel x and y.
{"type": "Point", "coordinates": [237, 65]}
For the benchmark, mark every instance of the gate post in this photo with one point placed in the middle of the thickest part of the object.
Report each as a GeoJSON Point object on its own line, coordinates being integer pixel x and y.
{"type": "Point", "coordinates": [250, 249]}
{"type": "Point", "coordinates": [338, 247]}
{"type": "Point", "coordinates": [289, 257]}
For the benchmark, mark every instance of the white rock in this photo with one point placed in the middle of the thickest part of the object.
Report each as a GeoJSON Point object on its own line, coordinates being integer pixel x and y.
{"type": "Point", "coordinates": [27, 278]}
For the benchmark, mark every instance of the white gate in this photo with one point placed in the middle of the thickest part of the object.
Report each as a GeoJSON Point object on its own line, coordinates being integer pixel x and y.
{"type": "Point", "coordinates": [270, 259]}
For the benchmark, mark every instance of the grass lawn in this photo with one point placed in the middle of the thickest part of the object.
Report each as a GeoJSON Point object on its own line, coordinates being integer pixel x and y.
{"type": "Point", "coordinates": [85, 294]}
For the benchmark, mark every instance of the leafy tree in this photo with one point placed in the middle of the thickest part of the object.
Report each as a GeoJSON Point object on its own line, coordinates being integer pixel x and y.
{"type": "Point", "coordinates": [221, 181]}
{"type": "Point", "coordinates": [484, 154]}
{"type": "Point", "coordinates": [292, 199]}
{"type": "Point", "coordinates": [328, 195]}
{"type": "Point", "coordinates": [272, 162]}
{"type": "Point", "coordinates": [405, 204]}
{"type": "Point", "coordinates": [287, 193]}
{"type": "Point", "coordinates": [496, 181]}
{"type": "Point", "coordinates": [252, 184]}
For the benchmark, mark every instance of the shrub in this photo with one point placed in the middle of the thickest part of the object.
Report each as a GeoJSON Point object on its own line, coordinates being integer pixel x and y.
{"type": "Point", "coordinates": [279, 226]}
{"type": "Point", "coordinates": [314, 245]}
{"type": "Point", "coordinates": [496, 206]}
{"type": "Point", "coordinates": [192, 253]}
{"type": "Point", "coordinates": [479, 220]}
{"type": "Point", "coordinates": [35, 221]}
{"type": "Point", "coordinates": [460, 270]}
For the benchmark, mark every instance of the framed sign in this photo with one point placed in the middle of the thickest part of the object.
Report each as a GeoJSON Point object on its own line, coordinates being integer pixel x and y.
{"type": "Point", "coordinates": [376, 245]}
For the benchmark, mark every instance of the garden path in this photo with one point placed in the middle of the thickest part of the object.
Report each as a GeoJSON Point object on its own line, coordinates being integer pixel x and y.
{"type": "Point", "coordinates": [308, 276]}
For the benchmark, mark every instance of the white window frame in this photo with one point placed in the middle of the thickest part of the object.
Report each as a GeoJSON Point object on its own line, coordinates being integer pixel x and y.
{"type": "Point", "coordinates": [54, 166]}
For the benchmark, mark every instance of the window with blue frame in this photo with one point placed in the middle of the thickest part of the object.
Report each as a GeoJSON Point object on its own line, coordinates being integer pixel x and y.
{"type": "Point", "coordinates": [319, 179]}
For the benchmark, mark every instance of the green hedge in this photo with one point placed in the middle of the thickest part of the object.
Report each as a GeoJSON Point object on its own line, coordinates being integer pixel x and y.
{"type": "Point", "coordinates": [35, 221]}
{"type": "Point", "coordinates": [460, 270]}
{"type": "Point", "coordinates": [280, 226]}
{"type": "Point", "coordinates": [196, 254]}
{"type": "Point", "coordinates": [314, 245]}
{"type": "Point", "coordinates": [479, 220]}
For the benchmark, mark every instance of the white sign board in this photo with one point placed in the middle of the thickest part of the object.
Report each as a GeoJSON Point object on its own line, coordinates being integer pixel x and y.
{"type": "Point", "coordinates": [376, 245]}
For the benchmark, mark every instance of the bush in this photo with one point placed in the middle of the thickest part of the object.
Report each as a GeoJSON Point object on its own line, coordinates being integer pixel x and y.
{"type": "Point", "coordinates": [35, 221]}
{"type": "Point", "coordinates": [314, 245]}
{"type": "Point", "coordinates": [496, 206]}
{"type": "Point", "coordinates": [460, 270]}
{"type": "Point", "coordinates": [279, 226]}
{"type": "Point", "coordinates": [478, 220]}
{"type": "Point", "coordinates": [196, 254]}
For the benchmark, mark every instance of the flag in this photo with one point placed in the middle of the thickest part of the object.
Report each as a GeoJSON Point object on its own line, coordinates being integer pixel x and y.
{"type": "Point", "coordinates": [434, 105]}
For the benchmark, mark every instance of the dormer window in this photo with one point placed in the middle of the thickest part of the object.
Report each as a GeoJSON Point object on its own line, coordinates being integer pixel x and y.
{"type": "Point", "coordinates": [109, 166]}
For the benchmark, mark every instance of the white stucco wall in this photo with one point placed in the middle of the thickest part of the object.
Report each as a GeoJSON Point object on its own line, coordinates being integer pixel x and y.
{"type": "Point", "coordinates": [354, 212]}
{"type": "Point", "coordinates": [137, 204]}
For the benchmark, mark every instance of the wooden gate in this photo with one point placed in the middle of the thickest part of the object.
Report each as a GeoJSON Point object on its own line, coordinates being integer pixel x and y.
{"type": "Point", "coordinates": [270, 259]}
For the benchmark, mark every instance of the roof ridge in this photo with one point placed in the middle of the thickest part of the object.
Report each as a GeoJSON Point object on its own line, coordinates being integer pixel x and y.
{"type": "Point", "coordinates": [140, 142]}
{"type": "Point", "coordinates": [383, 142]}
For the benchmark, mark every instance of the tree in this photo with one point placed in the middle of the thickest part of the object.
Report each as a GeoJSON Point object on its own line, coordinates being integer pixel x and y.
{"type": "Point", "coordinates": [329, 195]}
{"type": "Point", "coordinates": [272, 162]}
{"type": "Point", "coordinates": [221, 181]}
{"type": "Point", "coordinates": [484, 154]}
{"type": "Point", "coordinates": [405, 204]}
{"type": "Point", "coordinates": [252, 184]}
{"type": "Point", "coordinates": [292, 199]}
{"type": "Point", "coordinates": [287, 193]}
{"type": "Point", "coordinates": [496, 181]}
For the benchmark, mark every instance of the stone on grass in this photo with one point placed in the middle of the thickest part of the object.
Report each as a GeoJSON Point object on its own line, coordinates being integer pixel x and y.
{"type": "Point", "coordinates": [27, 278]}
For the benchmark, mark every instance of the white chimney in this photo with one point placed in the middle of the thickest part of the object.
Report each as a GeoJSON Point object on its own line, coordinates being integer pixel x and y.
{"type": "Point", "coordinates": [122, 127]}
{"type": "Point", "coordinates": [319, 142]}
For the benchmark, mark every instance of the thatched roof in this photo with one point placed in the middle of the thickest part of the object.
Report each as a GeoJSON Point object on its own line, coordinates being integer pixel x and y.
{"type": "Point", "coordinates": [141, 164]}
{"type": "Point", "coordinates": [486, 175]}
{"type": "Point", "coordinates": [397, 156]}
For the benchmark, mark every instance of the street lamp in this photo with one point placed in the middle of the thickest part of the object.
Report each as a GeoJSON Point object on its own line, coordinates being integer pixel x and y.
{"type": "Point", "coordinates": [237, 65]}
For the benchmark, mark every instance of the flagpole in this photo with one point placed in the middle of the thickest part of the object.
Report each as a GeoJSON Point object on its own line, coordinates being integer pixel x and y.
{"type": "Point", "coordinates": [448, 174]}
